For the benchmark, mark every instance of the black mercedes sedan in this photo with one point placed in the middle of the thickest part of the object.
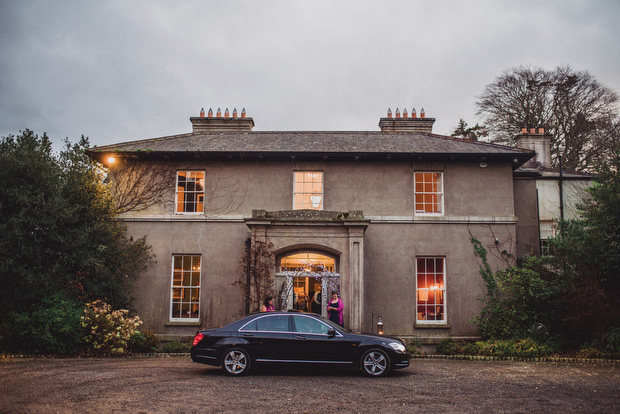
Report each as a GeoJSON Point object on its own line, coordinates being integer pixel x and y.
{"type": "Point", "coordinates": [296, 338]}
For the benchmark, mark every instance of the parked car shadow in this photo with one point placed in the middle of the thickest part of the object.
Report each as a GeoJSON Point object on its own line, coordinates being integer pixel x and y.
{"type": "Point", "coordinates": [301, 370]}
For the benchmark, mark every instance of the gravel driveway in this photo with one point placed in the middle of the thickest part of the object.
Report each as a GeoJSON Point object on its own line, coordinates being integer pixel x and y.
{"type": "Point", "coordinates": [175, 384]}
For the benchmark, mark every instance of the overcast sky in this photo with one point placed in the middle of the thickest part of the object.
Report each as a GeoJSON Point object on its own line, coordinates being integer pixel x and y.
{"type": "Point", "coordinates": [125, 70]}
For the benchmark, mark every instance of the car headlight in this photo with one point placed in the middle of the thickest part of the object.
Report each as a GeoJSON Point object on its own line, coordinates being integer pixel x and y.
{"type": "Point", "coordinates": [397, 346]}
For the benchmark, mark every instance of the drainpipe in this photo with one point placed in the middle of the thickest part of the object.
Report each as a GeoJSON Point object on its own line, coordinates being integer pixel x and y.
{"type": "Point", "coordinates": [561, 195]}
{"type": "Point", "coordinates": [538, 221]}
{"type": "Point", "coordinates": [248, 254]}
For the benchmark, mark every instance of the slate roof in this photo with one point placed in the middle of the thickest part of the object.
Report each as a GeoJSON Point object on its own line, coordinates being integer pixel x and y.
{"type": "Point", "coordinates": [364, 144]}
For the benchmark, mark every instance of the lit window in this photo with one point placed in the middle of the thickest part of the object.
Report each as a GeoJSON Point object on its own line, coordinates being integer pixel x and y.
{"type": "Point", "coordinates": [185, 288]}
{"type": "Point", "coordinates": [428, 196]}
{"type": "Point", "coordinates": [190, 191]}
{"type": "Point", "coordinates": [308, 190]}
{"type": "Point", "coordinates": [430, 290]}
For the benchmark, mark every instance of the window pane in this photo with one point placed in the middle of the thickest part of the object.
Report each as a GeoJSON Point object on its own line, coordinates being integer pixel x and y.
{"type": "Point", "coordinates": [190, 191]}
{"type": "Point", "coordinates": [176, 310]}
{"type": "Point", "coordinates": [428, 192]}
{"type": "Point", "coordinates": [430, 294]}
{"type": "Point", "coordinates": [308, 190]}
{"type": "Point", "coordinates": [309, 325]}
{"type": "Point", "coordinates": [250, 326]}
{"type": "Point", "coordinates": [185, 301]}
{"type": "Point", "coordinates": [277, 323]}
{"type": "Point", "coordinates": [421, 265]}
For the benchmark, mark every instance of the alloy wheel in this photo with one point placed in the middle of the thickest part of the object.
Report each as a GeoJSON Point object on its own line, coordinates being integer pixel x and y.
{"type": "Point", "coordinates": [236, 362]}
{"type": "Point", "coordinates": [375, 363]}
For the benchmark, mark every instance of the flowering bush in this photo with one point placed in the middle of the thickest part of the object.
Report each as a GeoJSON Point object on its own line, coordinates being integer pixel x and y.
{"type": "Point", "coordinates": [107, 330]}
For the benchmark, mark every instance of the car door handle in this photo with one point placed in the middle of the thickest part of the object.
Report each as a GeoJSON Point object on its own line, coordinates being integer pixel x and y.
{"type": "Point", "coordinates": [248, 334]}
{"type": "Point", "coordinates": [300, 337]}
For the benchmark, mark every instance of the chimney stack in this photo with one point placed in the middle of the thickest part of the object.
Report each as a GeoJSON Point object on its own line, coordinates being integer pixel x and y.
{"type": "Point", "coordinates": [406, 124]}
{"type": "Point", "coordinates": [221, 124]}
{"type": "Point", "coordinates": [536, 140]}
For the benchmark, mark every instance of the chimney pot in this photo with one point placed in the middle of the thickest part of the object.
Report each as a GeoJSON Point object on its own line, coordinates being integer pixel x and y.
{"type": "Point", "coordinates": [405, 124]}
{"type": "Point", "coordinates": [422, 113]}
{"type": "Point", "coordinates": [532, 130]}
{"type": "Point", "coordinates": [414, 113]}
{"type": "Point", "coordinates": [202, 112]}
{"type": "Point", "coordinates": [541, 130]}
{"type": "Point", "coordinates": [524, 130]}
{"type": "Point", "coordinates": [243, 113]}
{"type": "Point", "coordinates": [219, 113]}
{"type": "Point", "coordinates": [226, 114]}
{"type": "Point", "coordinates": [210, 115]}
{"type": "Point", "coordinates": [235, 113]}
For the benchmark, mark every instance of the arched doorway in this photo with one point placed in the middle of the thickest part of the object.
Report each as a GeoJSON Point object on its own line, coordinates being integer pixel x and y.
{"type": "Point", "coordinates": [305, 279]}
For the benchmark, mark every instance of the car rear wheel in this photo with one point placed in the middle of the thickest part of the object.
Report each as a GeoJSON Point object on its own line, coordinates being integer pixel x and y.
{"type": "Point", "coordinates": [236, 362]}
{"type": "Point", "coordinates": [375, 363]}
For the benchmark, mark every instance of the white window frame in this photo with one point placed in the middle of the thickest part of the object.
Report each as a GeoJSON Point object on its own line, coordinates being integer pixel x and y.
{"type": "Point", "coordinates": [443, 321]}
{"type": "Point", "coordinates": [173, 286]}
{"type": "Point", "coordinates": [547, 230]}
{"type": "Point", "coordinates": [302, 192]}
{"type": "Point", "coordinates": [440, 193]}
{"type": "Point", "coordinates": [176, 193]}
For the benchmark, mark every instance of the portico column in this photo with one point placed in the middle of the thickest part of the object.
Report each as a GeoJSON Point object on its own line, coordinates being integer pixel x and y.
{"type": "Point", "coordinates": [355, 288]}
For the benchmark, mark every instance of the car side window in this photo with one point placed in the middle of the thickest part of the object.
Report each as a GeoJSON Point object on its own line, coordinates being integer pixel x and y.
{"type": "Point", "coordinates": [304, 324]}
{"type": "Point", "coordinates": [275, 323]}
{"type": "Point", "coordinates": [251, 326]}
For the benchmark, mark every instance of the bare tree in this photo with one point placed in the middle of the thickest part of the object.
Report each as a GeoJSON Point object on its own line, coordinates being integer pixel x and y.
{"type": "Point", "coordinates": [137, 186]}
{"type": "Point", "coordinates": [574, 107]}
{"type": "Point", "coordinates": [257, 278]}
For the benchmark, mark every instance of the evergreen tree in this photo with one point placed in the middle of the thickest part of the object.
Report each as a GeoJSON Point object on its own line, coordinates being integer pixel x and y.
{"type": "Point", "coordinates": [60, 244]}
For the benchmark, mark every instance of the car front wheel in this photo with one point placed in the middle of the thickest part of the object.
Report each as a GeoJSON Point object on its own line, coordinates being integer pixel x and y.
{"type": "Point", "coordinates": [375, 363]}
{"type": "Point", "coordinates": [236, 362]}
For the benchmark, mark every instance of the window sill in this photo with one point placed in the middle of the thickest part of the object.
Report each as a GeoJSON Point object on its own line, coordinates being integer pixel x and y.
{"type": "Point", "coordinates": [182, 323]}
{"type": "Point", "coordinates": [432, 326]}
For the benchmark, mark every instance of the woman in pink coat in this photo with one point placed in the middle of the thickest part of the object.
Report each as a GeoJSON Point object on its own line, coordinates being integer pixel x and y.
{"type": "Point", "coordinates": [334, 308]}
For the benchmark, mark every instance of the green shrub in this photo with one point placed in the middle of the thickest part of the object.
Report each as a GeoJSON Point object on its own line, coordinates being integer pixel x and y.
{"type": "Point", "coordinates": [449, 346]}
{"type": "Point", "coordinates": [588, 351]}
{"type": "Point", "coordinates": [414, 346]}
{"type": "Point", "coordinates": [612, 341]}
{"type": "Point", "coordinates": [107, 331]}
{"type": "Point", "coordinates": [522, 348]}
{"type": "Point", "coordinates": [52, 327]}
{"type": "Point", "coordinates": [520, 299]}
{"type": "Point", "coordinates": [176, 347]}
{"type": "Point", "coordinates": [143, 342]}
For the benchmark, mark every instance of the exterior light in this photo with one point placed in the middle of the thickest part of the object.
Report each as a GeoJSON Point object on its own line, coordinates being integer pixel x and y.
{"type": "Point", "coordinates": [111, 160]}
{"type": "Point", "coordinates": [380, 327]}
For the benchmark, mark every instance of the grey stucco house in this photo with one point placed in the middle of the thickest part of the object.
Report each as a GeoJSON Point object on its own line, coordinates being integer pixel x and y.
{"type": "Point", "coordinates": [387, 213]}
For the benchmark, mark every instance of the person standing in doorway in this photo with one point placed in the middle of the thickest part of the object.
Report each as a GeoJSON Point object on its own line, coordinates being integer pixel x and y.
{"type": "Point", "coordinates": [316, 302]}
{"type": "Point", "coordinates": [334, 308]}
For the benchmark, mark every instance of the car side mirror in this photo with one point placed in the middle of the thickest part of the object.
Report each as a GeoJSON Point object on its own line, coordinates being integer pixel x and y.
{"type": "Point", "coordinates": [331, 333]}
